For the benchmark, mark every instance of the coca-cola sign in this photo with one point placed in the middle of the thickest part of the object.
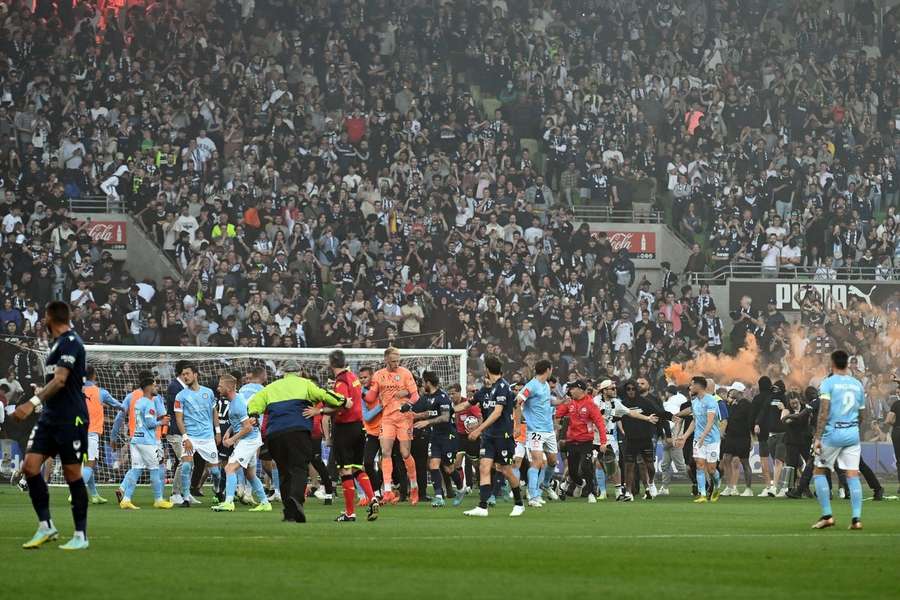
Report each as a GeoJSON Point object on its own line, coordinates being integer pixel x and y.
{"type": "Point", "coordinates": [111, 233]}
{"type": "Point", "coordinates": [640, 244]}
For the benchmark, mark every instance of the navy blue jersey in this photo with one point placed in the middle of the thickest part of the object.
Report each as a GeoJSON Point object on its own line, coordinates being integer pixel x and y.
{"type": "Point", "coordinates": [498, 397]}
{"type": "Point", "coordinates": [435, 405]}
{"type": "Point", "coordinates": [68, 405]}
{"type": "Point", "coordinates": [175, 386]}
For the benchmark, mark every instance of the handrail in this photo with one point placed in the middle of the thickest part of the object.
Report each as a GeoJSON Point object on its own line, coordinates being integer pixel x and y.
{"type": "Point", "coordinates": [608, 215]}
{"type": "Point", "coordinates": [755, 271]}
{"type": "Point", "coordinates": [97, 204]}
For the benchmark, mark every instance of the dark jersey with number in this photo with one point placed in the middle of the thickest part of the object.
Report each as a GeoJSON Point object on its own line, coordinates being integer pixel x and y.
{"type": "Point", "coordinates": [434, 405]}
{"type": "Point", "coordinates": [68, 405]}
{"type": "Point", "coordinates": [498, 397]}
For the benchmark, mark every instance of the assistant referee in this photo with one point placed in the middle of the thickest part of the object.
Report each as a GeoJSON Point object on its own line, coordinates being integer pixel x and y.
{"type": "Point", "coordinates": [288, 435]}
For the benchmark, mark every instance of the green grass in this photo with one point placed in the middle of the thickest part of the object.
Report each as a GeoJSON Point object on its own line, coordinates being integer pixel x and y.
{"type": "Point", "coordinates": [737, 548]}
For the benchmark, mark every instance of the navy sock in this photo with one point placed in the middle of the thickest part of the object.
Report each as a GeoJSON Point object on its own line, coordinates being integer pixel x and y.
{"type": "Point", "coordinates": [40, 496]}
{"type": "Point", "coordinates": [457, 479]}
{"type": "Point", "coordinates": [484, 492]}
{"type": "Point", "coordinates": [437, 480]}
{"type": "Point", "coordinates": [79, 504]}
{"type": "Point", "coordinates": [517, 495]}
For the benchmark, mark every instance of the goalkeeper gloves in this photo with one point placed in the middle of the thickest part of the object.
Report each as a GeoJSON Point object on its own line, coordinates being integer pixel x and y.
{"type": "Point", "coordinates": [405, 408]}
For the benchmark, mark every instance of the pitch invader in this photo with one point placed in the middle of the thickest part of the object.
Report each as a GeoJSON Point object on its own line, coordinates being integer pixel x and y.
{"type": "Point", "coordinates": [349, 439]}
{"type": "Point", "coordinates": [96, 398]}
{"type": "Point", "coordinates": [540, 437]}
{"type": "Point", "coordinates": [243, 436]}
{"type": "Point", "coordinates": [144, 446]}
{"type": "Point", "coordinates": [61, 429]}
{"type": "Point", "coordinates": [496, 432]}
{"type": "Point", "coordinates": [195, 412]}
{"type": "Point", "coordinates": [435, 410]}
{"type": "Point", "coordinates": [841, 402]}
{"type": "Point", "coordinates": [607, 463]}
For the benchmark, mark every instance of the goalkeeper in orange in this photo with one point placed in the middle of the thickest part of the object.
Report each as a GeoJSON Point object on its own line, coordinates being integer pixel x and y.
{"type": "Point", "coordinates": [395, 389]}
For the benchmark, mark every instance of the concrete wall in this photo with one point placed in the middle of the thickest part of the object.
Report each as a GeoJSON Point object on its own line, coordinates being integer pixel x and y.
{"type": "Point", "coordinates": [145, 258]}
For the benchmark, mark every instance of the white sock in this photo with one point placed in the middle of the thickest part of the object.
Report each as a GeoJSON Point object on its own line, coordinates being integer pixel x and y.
{"type": "Point", "coordinates": [79, 535]}
{"type": "Point", "coordinates": [46, 525]}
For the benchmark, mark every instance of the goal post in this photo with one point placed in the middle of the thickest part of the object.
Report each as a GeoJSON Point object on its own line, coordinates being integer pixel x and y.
{"type": "Point", "coordinates": [118, 369]}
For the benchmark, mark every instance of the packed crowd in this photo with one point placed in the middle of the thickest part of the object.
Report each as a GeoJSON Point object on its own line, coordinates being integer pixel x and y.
{"type": "Point", "coordinates": [324, 173]}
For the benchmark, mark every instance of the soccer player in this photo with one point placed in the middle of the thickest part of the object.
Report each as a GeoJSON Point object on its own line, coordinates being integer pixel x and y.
{"type": "Point", "coordinates": [437, 413]}
{"type": "Point", "coordinates": [496, 432]}
{"type": "Point", "coordinates": [243, 436]}
{"type": "Point", "coordinates": [540, 437]}
{"type": "Point", "coordinates": [195, 413]}
{"type": "Point", "coordinates": [348, 438]}
{"type": "Point", "coordinates": [61, 429]}
{"type": "Point", "coordinates": [173, 435]}
{"type": "Point", "coordinates": [96, 398]}
{"type": "Point", "coordinates": [841, 402]}
{"type": "Point", "coordinates": [394, 386]}
{"type": "Point", "coordinates": [705, 412]}
{"type": "Point", "coordinates": [254, 380]}
{"type": "Point", "coordinates": [584, 419]}
{"type": "Point", "coordinates": [144, 446]}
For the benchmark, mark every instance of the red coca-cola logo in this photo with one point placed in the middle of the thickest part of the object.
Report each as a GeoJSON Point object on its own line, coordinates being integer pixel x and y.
{"type": "Point", "coordinates": [620, 239]}
{"type": "Point", "coordinates": [109, 232]}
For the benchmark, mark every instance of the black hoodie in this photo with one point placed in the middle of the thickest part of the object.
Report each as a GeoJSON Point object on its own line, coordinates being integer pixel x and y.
{"type": "Point", "coordinates": [760, 401]}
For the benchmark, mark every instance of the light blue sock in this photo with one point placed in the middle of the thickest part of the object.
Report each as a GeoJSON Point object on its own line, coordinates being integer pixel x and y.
{"type": "Point", "coordinates": [216, 474]}
{"type": "Point", "coordinates": [186, 469]}
{"type": "Point", "coordinates": [230, 486]}
{"type": "Point", "coordinates": [518, 472]}
{"type": "Point", "coordinates": [534, 482]}
{"type": "Point", "coordinates": [130, 481]}
{"type": "Point", "coordinates": [601, 480]}
{"type": "Point", "coordinates": [823, 494]}
{"type": "Point", "coordinates": [156, 483]}
{"type": "Point", "coordinates": [701, 482]}
{"type": "Point", "coordinates": [276, 479]}
{"type": "Point", "coordinates": [855, 496]}
{"type": "Point", "coordinates": [162, 476]}
{"type": "Point", "coordinates": [241, 478]}
{"type": "Point", "coordinates": [259, 491]}
{"type": "Point", "coordinates": [715, 478]}
{"type": "Point", "coordinates": [88, 475]}
{"type": "Point", "coordinates": [548, 473]}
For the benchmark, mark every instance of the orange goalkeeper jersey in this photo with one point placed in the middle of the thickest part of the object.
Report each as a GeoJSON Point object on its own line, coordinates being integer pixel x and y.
{"type": "Point", "coordinates": [386, 384]}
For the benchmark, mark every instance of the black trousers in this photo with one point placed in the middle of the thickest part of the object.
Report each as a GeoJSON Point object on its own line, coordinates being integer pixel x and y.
{"type": "Point", "coordinates": [579, 456]}
{"type": "Point", "coordinates": [319, 465]}
{"type": "Point", "coordinates": [895, 437]}
{"type": "Point", "coordinates": [864, 470]}
{"type": "Point", "coordinates": [418, 449]}
{"type": "Point", "coordinates": [373, 445]}
{"type": "Point", "coordinates": [292, 450]}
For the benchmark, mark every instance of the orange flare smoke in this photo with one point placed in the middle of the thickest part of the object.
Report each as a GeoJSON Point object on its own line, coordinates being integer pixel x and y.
{"type": "Point", "coordinates": [723, 369]}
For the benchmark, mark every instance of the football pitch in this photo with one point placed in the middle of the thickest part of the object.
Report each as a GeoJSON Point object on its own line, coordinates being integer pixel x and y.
{"type": "Point", "coordinates": [737, 548]}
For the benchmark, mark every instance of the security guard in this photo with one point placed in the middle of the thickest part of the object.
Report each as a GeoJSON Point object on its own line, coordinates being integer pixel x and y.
{"type": "Point", "coordinates": [288, 431]}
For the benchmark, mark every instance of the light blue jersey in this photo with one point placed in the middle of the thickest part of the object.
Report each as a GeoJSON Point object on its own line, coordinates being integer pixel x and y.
{"type": "Point", "coordinates": [248, 389]}
{"type": "Point", "coordinates": [701, 407]}
{"type": "Point", "coordinates": [846, 400]}
{"type": "Point", "coordinates": [197, 408]}
{"type": "Point", "coordinates": [537, 410]}
{"type": "Point", "coordinates": [237, 414]}
{"type": "Point", "coordinates": [146, 420]}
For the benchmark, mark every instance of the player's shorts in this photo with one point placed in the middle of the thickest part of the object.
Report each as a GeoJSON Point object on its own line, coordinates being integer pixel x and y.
{"type": "Point", "coordinates": [734, 446]}
{"type": "Point", "coordinates": [145, 456]}
{"type": "Point", "coordinates": [206, 449]}
{"type": "Point", "coordinates": [499, 449]}
{"type": "Point", "coordinates": [244, 452]}
{"type": "Point", "coordinates": [542, 441]}
{"type": "Point", "coordinates": [520, 450]}
{"type": "Point", "coordinates": [707, 452]}
{"type": "Point", "coordinates": [847, 457]}
{"type": "Point", "coordinates": [442, 447]}
{"type": "Point", "coordinates": [763, 439]}
{"type": "Point", "coordinates": [93, 447]}
{"type": "Point", "coordinates": [642, 449]}
{"type": "Point", "coordinates": [349, 445]}
{"type": "Point", "coordinates": [398, 426]}
{"type": "Point", "coordinates": [471, 448]}
{"type": "Point", "coordinates": [69, 442]}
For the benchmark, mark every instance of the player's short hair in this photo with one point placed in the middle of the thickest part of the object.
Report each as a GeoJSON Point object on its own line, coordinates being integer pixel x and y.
{"type": "Point", "coordinates": [455, 387]}
{"type": "Point", "coordinates": [337, 360]}
{"type": "Point", "coordinates": [390, 350]}
{"type": "Point", "coordinates": [181, 365]}
{"type": "Point", "coordinates": [187, 365]}
{"type": "Point", "coordinates": [431, 377]}
{"type": "Point", "coordinates": [147, 382]}
{"type": "Point", "coordinates": [90, 372]}
{"type": "Point", "coordinates": [493, 365]}
{"type": "Point", "coordinates": [258, 372]}
{"type": "Point", "coordinates": [365, 370]}
{"type": "Point", "coordinates": [58, 312]}
{"type": "Point", "coordinates": [228, 379]}
{"type": "Point", "coordinates": [542, 366]}
{"type": "Point", "coordinates": [840, 359]}
{"type": "Point", "coordinates": [700, 381]}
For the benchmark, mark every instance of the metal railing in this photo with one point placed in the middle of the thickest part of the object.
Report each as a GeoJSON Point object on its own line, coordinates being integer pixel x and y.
{"type": "Point", "coordinates": [97, 204]}
{"type": "Point", "coordinates": [756, 271]}
{"type": "Point", "coordinates": [646, 214]}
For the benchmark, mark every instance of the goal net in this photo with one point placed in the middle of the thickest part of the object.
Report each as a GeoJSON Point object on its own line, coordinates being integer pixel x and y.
{"type": "Point", "coordinates": [118, 370]}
